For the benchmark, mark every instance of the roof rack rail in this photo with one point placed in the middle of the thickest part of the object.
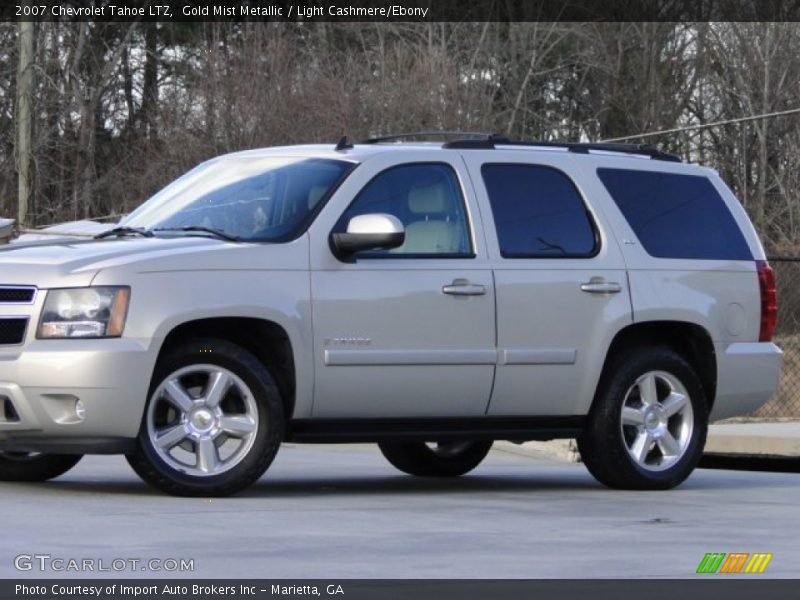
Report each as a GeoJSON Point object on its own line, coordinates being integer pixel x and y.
{"type": "Point", "coordinates": [412, 134]}
{"type": "Point", "coordinates": [492, 141]}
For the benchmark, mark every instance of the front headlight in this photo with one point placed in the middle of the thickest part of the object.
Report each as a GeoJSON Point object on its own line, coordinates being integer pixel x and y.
{"type": "Point", "coordinates": [84, 312]}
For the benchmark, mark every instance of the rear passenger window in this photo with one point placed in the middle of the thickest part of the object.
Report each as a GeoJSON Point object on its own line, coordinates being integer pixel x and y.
{"type": "Point", "coordinates": [676, 216]}
{"type": "Point", "coordinates": [538, 213]}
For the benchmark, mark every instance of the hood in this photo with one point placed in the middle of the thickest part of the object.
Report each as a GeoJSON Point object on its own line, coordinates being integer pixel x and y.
{"type": "Point", "coordinates": [70, 262]}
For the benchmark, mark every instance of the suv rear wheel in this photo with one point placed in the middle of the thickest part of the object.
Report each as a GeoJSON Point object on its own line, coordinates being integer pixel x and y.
{"type": "Point", "coordinates": [440, 459]}
{"type": "Point", "coordinates": [213, 423]}
{"type": "Point", "coordinates": [647, 427]}
{"type": "Point", "coordinates": [33, 466]}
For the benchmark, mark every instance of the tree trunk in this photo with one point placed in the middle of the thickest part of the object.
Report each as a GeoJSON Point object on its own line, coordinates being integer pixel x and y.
{"type": "Point", "coordinates": [25, 123]}
{"type": "Point", "coordinates": [150, 83]}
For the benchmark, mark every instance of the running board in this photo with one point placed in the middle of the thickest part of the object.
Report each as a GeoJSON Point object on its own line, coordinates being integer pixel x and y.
{"type": "Point", "coordinates": [46, 445]}
{"type": "Point", "coordinates": [346, 431]}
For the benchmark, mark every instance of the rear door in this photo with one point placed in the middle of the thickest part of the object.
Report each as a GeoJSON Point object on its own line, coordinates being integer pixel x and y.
{"type": "Point", "coordinates": [560, 282]}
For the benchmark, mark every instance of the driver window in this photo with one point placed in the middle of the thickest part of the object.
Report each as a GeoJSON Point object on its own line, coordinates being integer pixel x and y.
{"type": "Point", "coordinates": [427, 199]}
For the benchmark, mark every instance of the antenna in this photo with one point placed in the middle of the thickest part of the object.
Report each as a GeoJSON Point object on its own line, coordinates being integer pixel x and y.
{"type": "Point", "coordinates": [344, 144]}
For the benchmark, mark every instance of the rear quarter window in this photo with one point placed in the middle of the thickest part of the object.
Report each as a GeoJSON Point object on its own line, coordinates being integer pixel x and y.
{"type": "Point", "coordinates": [676, 216]}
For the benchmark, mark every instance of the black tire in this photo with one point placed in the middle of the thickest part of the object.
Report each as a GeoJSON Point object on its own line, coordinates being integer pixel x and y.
{"type": "Point", "coordinates": [603, 445]}
{"type": "Point", "coordinates": [29, 467]}
{"type": "Point", "coordinates": [447, 459]}
{"type": "Point", "coordinates": [266, 440]}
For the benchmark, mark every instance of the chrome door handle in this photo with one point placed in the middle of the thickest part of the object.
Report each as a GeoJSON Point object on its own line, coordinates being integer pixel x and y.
{"type": "Point", "coordinates": [462, 287]}
{"type": "Point", "coordinates": [601, 287]}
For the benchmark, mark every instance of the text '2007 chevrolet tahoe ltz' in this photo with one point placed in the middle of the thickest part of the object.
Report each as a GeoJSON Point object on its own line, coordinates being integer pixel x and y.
{"type": "Point", "coordinates": [430, 297]}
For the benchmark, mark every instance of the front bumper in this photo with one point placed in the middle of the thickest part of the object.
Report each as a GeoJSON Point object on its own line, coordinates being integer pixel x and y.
{"type": "Point", "coordinates": [41, 385]}
{"type": "Point", "coordinates": [747, 376]}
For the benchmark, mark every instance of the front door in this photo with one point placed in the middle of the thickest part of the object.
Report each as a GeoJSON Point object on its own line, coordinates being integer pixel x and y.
{"type": "Point", "coordinates": [407, 332]}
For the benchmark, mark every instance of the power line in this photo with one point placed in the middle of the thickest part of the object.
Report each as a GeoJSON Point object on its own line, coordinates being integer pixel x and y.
{"type": "Point", "coordinates": [704, 126]}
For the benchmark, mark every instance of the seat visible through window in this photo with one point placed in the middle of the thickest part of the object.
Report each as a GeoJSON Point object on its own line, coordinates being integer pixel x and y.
{"type": "Point", "coordinates": [436, 231]}
{"type": "Point", "coordinates": [427, 199]}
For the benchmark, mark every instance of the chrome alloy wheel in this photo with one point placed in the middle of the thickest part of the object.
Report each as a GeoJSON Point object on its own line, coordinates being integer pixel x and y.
{"type": "Point", "coordinates": [657, 420]}
{"type": "Point", "coordinates": [202, 420]}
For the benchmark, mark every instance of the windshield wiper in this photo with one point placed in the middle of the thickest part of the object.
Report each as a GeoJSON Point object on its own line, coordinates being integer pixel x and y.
{"type": "Point", "coordinates": [216, 232]}
{"type": "Point", "coordinates": [552, 246]}
{"type": "Point", "coordinates": [124, 231]}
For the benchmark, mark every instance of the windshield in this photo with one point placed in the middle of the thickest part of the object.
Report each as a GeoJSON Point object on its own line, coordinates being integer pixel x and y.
{"type": "Point", "coordinates": [250, 198]}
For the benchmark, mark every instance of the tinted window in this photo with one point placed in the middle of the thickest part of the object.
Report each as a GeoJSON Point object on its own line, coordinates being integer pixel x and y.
{"type": "Point", "coordinates": [538, 213]}
{"type": "Point", "coordinates": [676, 216]}
{"type": "Point", "coordinates": [427, 200]}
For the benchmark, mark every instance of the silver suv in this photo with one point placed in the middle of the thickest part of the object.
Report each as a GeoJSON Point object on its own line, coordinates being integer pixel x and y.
{"type": "Point", "coordinates": [430, 297]}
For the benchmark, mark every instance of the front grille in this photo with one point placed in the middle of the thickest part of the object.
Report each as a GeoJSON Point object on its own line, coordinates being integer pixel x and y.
{"type": "Point", "coordinates": [16, 295]}
{"type": "Point", "coordinates": [12, 330]}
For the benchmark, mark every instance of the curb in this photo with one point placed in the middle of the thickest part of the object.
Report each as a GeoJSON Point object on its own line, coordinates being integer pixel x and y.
{"type": "Point", "coordinates": [755, 439]}
{"type": "Point", "coordinates": [734, 440]}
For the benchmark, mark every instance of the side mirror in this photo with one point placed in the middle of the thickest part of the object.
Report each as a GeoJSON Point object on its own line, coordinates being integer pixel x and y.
{"type": "Point", "coordinates": [369, 232]}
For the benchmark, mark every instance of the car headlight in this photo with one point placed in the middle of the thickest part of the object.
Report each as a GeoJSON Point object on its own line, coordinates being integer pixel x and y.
{"type": "Point", "coordinates": [88, 312]}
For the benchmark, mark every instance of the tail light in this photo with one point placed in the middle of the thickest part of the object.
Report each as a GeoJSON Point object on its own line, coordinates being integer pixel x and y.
{"type": "Point", "coordinates": [769, 301]}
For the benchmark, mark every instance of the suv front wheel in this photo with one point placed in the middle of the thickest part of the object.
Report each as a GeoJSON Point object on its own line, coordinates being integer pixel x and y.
{"type": "Point", "coordinates": [647, 427]}
{"type": "Point", "coordinates": [213, 422]}
{"type": "Point", "coordinates": [439, 459]}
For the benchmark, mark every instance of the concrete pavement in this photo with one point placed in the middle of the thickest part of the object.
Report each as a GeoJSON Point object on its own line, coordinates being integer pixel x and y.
{"type": "Point", "coordinates": [343, 512]}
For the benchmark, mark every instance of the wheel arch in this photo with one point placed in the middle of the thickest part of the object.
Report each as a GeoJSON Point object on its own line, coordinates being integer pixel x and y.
{"type": "Point", "coordinates": [692, 341]}
{"type": "Point", "coordinates": [266, 340]}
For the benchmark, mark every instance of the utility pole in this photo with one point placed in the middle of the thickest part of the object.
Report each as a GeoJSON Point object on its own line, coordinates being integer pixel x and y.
{"type": "Point", "coordinates": [25, 123]}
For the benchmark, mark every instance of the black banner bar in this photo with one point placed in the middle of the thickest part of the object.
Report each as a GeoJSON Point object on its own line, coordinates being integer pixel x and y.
{"type": "Point", "coordinates": [749, 588]}
{"type": "Point", "coordinates": [399, 10]}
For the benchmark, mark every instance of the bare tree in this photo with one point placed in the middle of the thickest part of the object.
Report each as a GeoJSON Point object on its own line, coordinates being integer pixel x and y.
{"type": "Point", "coordinates": [122, 109]}
{"type": "Point", "coordinates": [25, 121]}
